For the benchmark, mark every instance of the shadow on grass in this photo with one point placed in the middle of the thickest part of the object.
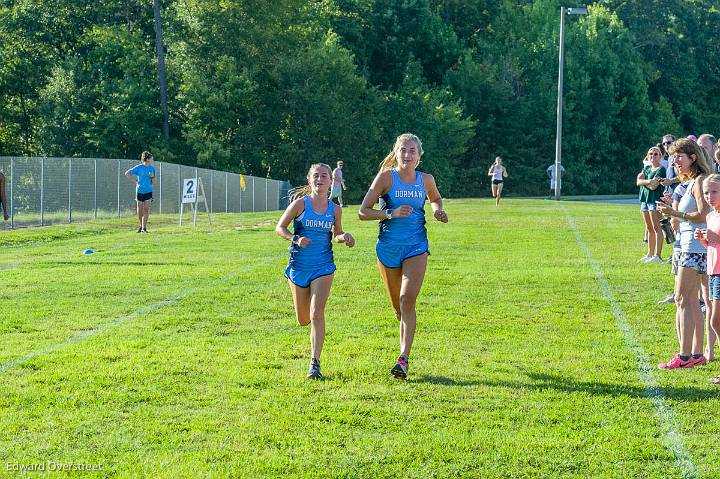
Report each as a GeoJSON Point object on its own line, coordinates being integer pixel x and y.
{"type": "Point", "coordinates": [558, 383]}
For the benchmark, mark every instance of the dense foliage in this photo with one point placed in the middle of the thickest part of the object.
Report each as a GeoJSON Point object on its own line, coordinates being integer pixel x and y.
{"type": "Point", "coordinates": [269, 90]}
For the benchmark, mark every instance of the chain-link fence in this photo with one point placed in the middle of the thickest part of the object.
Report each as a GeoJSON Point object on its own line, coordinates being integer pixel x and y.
{"type": "Point", "coordinates": [44, 191]}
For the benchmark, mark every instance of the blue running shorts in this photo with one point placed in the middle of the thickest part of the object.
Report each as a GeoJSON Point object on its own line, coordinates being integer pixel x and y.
{"type": "Point", "coordinates": [391, 255]}
{"type": "Point", "coordinates": [303, 278]}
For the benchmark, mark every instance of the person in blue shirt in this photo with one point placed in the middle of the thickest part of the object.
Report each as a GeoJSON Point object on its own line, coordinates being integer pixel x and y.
{"type": "Point", "coordinates": [402, 247]}
{"type": "Point", "coordinates": [144, 177]}
{"type": "Point", "coordinates": [311, 267]}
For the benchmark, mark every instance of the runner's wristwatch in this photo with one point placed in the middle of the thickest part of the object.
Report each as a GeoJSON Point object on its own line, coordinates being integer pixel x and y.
{"type": "Point", "coordinates": [388, 213]}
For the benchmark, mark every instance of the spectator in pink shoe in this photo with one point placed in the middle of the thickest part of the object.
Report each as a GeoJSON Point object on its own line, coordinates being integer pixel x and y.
{"type": "Point", "coordinates": [693, 165]}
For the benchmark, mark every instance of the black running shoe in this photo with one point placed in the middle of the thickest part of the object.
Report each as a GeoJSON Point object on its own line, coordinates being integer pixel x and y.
{"type": "Point", "coordinates": [400, 370]}
{"type": "Point", "coordinates": [314, 369]}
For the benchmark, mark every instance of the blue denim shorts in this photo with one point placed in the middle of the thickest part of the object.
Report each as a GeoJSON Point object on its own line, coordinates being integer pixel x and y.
{"type": "Point", "coordinates": [714, 284]}
{"type": "Point", "coordinates": [647, 206]}
{"type": "Point", "coordinates": [392, 255]}
{"type": "Point", "coordinates": [303, 278]}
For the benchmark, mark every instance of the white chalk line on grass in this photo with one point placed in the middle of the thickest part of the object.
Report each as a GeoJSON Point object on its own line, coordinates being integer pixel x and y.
{"type": "Point", "coordinates": [673, 438]}
{"type": "Point", "coordinates": [123, 319]}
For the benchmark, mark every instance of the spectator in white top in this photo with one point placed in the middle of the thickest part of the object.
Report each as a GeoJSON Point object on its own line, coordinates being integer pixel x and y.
{"type": "Point", "coordinates": [338, 185]}
{"type": "Point", "coordinates": [551, 173]}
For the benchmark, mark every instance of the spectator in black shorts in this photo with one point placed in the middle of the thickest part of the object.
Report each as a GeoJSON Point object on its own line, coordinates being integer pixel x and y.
{"type": "Point", "coordinates": [144, 177]}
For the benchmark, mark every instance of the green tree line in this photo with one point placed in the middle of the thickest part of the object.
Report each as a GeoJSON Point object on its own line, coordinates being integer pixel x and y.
{"type": "Point", "coordinates": [268, 88]}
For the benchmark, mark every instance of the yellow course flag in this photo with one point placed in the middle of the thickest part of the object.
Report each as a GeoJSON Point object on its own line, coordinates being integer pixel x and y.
{"type": "Point", "coordinates": [242, 182]}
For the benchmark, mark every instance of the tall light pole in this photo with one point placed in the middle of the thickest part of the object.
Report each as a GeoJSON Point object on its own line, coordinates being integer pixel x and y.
{"type": "Point", "coordinates": [558, 134]}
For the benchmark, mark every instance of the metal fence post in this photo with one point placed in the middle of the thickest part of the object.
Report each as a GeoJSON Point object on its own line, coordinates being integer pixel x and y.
{"type": "Point", "coordinates": [160, 185]}
{"type": "Point", "coordinates": [197, 195]}
{"type": "Point", "coordinates": [226, 192]}
{"type": "Point", "coordinates": [12, 192]}
{"type": "Point", "coordinates": [266, 194]}
{"type": "Point", "coordinates": [95, 190]}
{"type": "Point", "coordinates": [69, 190]}
{"type": "Point", "coordinates": [118, 187]}
{"type": "Point", "coordinates": [253, 194]}
{"type": "Point", "coordinates": [212, 182]}
{"type": "Point", "coordinates": [42, 191]}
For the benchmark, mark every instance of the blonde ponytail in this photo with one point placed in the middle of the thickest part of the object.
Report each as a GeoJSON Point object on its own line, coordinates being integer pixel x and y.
{"type": "Point", "coordinates": [299, 192]}
{"type": "Point", "coordinates": [389, 162]}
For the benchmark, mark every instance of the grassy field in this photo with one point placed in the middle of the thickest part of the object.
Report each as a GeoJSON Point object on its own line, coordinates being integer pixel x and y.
{"type": "Point", "coordinates": [175, 354]}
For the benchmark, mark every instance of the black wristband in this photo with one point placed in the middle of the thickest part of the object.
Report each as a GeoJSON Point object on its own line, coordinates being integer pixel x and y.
{"type": "Point", "coordinates": [295, 239]}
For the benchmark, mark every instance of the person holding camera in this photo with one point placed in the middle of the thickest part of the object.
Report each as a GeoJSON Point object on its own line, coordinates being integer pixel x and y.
{"type": "Point", "coordinates": [649, 181]}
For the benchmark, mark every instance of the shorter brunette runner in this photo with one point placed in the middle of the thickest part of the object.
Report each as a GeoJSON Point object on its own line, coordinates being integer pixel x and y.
{"type": "Point", "coordinates": [311, 268]}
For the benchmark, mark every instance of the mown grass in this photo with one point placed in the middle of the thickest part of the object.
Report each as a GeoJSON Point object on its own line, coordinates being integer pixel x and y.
{"type": "Point", "coordinates": [175, 354]}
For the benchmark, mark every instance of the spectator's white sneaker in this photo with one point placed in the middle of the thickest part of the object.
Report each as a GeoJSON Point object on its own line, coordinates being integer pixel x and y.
{"type": "Point", "coordinates": [668, 299]}
{"type": "Point", "coordinates": [654, 259]}
{"type": "Point", "coordinates": [645, 259]}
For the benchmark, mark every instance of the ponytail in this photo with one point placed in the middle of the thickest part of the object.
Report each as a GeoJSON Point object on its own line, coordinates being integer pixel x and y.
{"type": "Point", "coordinates": [299, 192]}
{"type": "Point", "coordinates": [389, 162]}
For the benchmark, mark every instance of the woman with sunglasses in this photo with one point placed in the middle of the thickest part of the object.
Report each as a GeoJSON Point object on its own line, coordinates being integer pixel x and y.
{"type": "Point", "coordinates": [671, 178]}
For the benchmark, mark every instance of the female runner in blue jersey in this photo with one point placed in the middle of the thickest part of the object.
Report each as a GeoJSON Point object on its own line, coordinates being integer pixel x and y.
{"type": "Point", "coordinates": [402, 247]}
{"type": "Point", "coordinates": [310, 271]}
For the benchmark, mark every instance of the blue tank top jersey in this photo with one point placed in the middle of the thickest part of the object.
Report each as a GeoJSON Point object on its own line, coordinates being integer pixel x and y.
{"type": "Point", "coordinates": [411, 229]}
{"type": "Point", "coordinates": [317, 227]}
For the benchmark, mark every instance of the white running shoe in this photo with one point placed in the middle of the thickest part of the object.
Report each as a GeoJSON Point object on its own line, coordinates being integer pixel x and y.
{"type": "Point", "coordinates": [668, 299]}
{"type": "Point", "coordinates": [654, 259]}
{"type": "Point", "coordinates": [645, 259]}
